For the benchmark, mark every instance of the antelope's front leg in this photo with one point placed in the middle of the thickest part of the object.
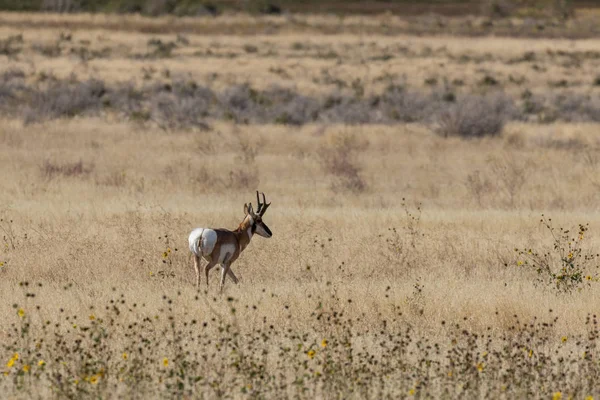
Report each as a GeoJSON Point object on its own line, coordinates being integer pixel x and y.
{"type": "Point", "coordinates": [197, 268]}
{"type": "Point", "coordinates": [225, 269]}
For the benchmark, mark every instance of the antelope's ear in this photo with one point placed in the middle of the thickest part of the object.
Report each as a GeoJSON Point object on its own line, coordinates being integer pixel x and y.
{"type": "Point", "coordinates": [245, 209]}
{"type": "Point", "coordinates": [249, 209]}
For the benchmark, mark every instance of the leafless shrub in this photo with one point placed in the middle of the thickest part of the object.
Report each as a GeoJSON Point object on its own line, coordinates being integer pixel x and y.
{"type": "Point", "coordinates": [343, 109]}
{"type": "Point", "coordinates": [50, 50]}
{"type": "Point", "coordinates": [510, 173]}
{"type": "Point", "coordinates": [11, 84]}
{"type": "Point", "coordinates": [65, 99]}
{"type": "Point", "coordinates": [575, 107]}
{"type": "Point", "coordinates": [113, 179]}
{"type": "Point", "coordinates": [339, 159]}
{"type": "Point", "coordinates": [498, 8]}
{"type": "Point", "coordinates": [172, 112]}
{"type": "Point", "coordinates": [160, 49]}
{"type": "Point", "coordinates": [12, 74]}
{"type": "Point", "coordinates": [290, 108]}
{"type": "Point", "coordinates": [406, 106]}
{"type": "Point", "coordinates": [475, 116]}
{"type": "Point", "coordinates": [184, 104]}
{"type": "Point", "coordinates": [242, 178]}
{"type": "Point", "coordinates": [250, 48]}
{"type": "Point", "coordinates": [242, 103]}
{"type": "Point", "coordinates": [61, 6]}
{"type": "Point", "coordinates": [51, 170]}
{"type": "Point", "coordinates": [11, 46]}
{"type": "Point", "coordinates": [478, 186]}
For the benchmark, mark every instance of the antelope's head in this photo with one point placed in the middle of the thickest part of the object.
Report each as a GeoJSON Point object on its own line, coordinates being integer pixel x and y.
{"type": "Point", "coordinates": [258, 226]}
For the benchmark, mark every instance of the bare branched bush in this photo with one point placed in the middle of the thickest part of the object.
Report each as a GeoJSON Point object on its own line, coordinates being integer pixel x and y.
{"type": "Point", "coordinates": [11, 46]}
{"type": "Point", "coordinates": [160, 49]}
{"type": "Point", "coordinates": [510, 173]}
{"type": "Point", "coordinates": [65, 99]}
{"type": "Point", "coordinates": [245, 174]}
{"type": "Point", "coordinates": [291, 108]}
{"type": "Point", "coordinates": [402, 105]}
{"type": "Point", "coordinates": [498, 8]}
{"type": "Point", "coordinates": [348, 110]}
{"type": "Point", "coordinates": [61, 6]}
{"type": "Point", "coordinates": [478, 186]}
{"type": "Point", "coordinates": [181, 105]}
{"type": "Point", "coordinates": [51, 170]}
{"type": "Point", "coordinates": [475, 116]}
{"type": "Point", "coordinates": [48, 49]}
{"type": "Point", "coordinates": [339, 159]}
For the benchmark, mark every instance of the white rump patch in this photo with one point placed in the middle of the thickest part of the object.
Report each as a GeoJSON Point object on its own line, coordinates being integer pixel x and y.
{"type": "Point", "coordinates": [226, 249]}
{"type": "Point", "coordinates": [202, 241]}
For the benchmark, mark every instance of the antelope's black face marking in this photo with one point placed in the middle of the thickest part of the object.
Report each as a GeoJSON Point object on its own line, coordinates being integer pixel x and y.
{"type": "Point", "coordinates": [260, 228]}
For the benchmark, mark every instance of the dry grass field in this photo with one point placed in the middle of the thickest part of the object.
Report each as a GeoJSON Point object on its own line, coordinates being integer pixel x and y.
{"type": "Point", "coordinates": [413, 181]}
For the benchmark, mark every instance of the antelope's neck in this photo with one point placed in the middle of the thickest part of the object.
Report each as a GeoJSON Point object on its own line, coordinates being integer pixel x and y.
{"type": "Point", "coordinates": [244, 232]}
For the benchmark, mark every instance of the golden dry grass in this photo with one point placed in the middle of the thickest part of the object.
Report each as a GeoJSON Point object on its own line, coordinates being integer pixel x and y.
{"type": "Point", "coordinates": [107, 226]}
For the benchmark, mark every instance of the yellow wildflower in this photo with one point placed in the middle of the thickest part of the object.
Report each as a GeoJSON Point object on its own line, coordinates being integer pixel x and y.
{"type": "Point", "coordinates": [125, 356]}
{"type": "Point", "coordinates": [94, 379]}
{"type": "Point", "coordinates": [589, 398]}
{"type": "Point", "coordinates": [480, 367]}
{"type": "Point", "coordinates": [411, 392]}
{"type": "Point", "coordinates": [6, 373]}
{"type": "Point", "coordinates": [41, 363]}
{"type": "Point", "coordinates": [151, 273]}
{"type": "Point", "coordinates": [165, 254]}
{"type": "Point", "coordinates": [166, 362]}
{"type": "Point", "coordinates": [76, 381]}
{"type": "Point", "coordinates": [449, 374]}
{"type": "Point", "coordinates": [557, 396]}
{"type": "Point", "coordinates": [530, 353]}
{"type": "Point", "coordinates": [74, 326]}
{"type": "Point", "coordinates": [21, 313]}
{"type": "Point", "coordinates": [519, 262]}
{"type": "Point", "coordinates": [563, 339]}
{"type": "Point", "coordinates": [570, 255]}
{"type": "Point", "coordinates": [26, 368]}
{"type": "Point", "coordinates": [92, 317]}
{"type": "Point", "coordinates": [1, 264]}
{"type": "Point", "coordinates": [589, 278]}
{"type": "Point", "coordinates": [12, 360]}
{"type": "Point", "coordinates": [324, 343]}
{"type": "Point", "coordinates": [311, 354]}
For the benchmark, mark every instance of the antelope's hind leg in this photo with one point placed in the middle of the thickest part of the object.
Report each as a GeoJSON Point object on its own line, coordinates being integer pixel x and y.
{"type": "Point", "coordinates": [207, 268]}
{"type": "Point", "coordinates": [232, 275]}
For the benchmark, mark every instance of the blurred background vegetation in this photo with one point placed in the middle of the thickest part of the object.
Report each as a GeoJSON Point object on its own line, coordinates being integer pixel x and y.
{"type": "Point", "coordinates": [494, 8]}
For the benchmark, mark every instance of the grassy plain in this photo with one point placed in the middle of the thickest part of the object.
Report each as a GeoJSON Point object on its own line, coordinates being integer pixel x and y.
{"type": "Point", "coordinates": [97, 210]}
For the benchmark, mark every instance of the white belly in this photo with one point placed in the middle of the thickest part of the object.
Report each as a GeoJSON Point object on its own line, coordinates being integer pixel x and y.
{"type": "Point", "coordinates": [226, 252]}
{"type": "Point", "coordinates": [202, 241]}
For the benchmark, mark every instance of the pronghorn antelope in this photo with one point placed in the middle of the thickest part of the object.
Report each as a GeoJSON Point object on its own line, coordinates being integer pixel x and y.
{"type": "Point", "coordinates": [222, 246]}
